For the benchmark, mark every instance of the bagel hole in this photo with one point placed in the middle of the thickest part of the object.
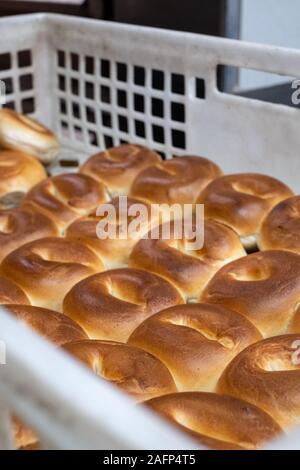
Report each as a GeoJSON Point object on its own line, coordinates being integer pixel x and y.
{"type": "Point", "coordinates": [254, 274]}
{"type": "Point", "coordinates": [278, 364]}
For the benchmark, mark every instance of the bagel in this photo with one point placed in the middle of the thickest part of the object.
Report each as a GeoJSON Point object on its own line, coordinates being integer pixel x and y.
{"type": "Point", "coordinates": [264, 287]}
{"type": "Point", "coordinates": [133, 370]}
{"type": "Point", "coordinates": [195, 342]}
{"type": "Point", "coordinates": [11, 293]}
{"type": "Point", "coordinates": [48, 268]}
{"type": "Point", "coordinates": [110, 305]}
{"type": "Point", "coordinates": [267, 374]}
{"type": "Point", "coordinates": [117, 167]}
{"type": "Point", "coordinates": [242, 201]}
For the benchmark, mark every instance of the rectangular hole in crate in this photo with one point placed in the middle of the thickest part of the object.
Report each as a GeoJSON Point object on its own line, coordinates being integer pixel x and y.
{"type": "Point", "coordinates": [121, 72]}
{"type": "Point", "coordinates": [93, 138]}
{"type": "Point", "coordinates": [26, 82]}
{"type": "Point", "coordinates": [139, 103]}
{"type": "Point", "coordinates": [108, 141]}
{"type": "Point", "coordinates": [74, 61]}
{"type": "Point", "coordinates": [140, 129]}
{"type": "Point", "coordinates": [158, 134]}
{"type": "Point", "coordinates": [122, 98]}
{"type": "Point", "coordinates": [123, 123]}
{"type": "Point", "coordinates": [28, 105]}
{"type": "Point", "coordinates": [105, 68]}
{"type": "Point", "coordinates": [62, 106]}
{"type": "Point", "coordinates": [178, 84]}
{"type": "Point", "coordinates": [200, 88]}
{"type": "Point", "coordinates": [262, 86]}
{"type": "Point", "coordinates": [24, 58]}
{"type": "Point", "coordinates": [69, 163]}
{"type": "Point", "coordinates": [62, 82]}
{"type": "Point", "coordinates": [78, 133]}
{"type": "Point", "coordinates": [89, 65]}
{"type": "Point", "coordinates": [75, 86]}
{"type": "Point", "coordinates": [178, 139]}
{"type": "Point", "coordinates": [5, 61]}
{"type": "Point", "coordinates": [105, 94]}
{"type": "Point", "coordinates": [162, 154]}
{"type": "Point", "coordinates": [10, 105]}
{"type": "Point", "coordinates": [65, 129]}
{"type": "Point", "coordinates": [178, 112]}
{"type": "Point", "coordinates": [90, 90]}
{"type": "Point", "coordinates": [106, 119]}
{"type": "Point", "coordinates": [61, 59]}
{"type": "Point", "coordinates": [76, 110]}
{"type": "Point", "coordinates": [8, 84]}
{"type": "Point", "coordinates": [157, 107]}
{"type": "Point", "coordinates": [158, 80]}
{"type": "Point", "coordinates": [90, 115]}
{"type": "Point", "coordinates": [139, 75]}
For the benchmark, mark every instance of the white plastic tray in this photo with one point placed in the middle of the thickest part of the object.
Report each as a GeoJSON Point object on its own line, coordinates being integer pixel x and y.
{"type": "Point", "coordinates": [98, 84]}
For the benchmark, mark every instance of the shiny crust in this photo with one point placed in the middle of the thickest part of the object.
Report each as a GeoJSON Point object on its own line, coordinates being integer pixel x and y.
{"type": "Point", "coordinates": [242, 201]}
{"type": "Point", "coordinates": [21, 133]}
{"type": "Point", "coordinates": [281, 228]}
{"type": "Point", "coordinates": [53, 326]}
{"type": "Point", "coordinates": [18, 173]}
{"type": "Point", "coordinates": [113, 251]}
{"type": "Point", "coordinates": [217, 421]}
{"type": "Point", "coordinates": [110, 305]}
{"type": "Point", "coordinates": [47, 269]}
{"type": "Point", "coordinates": [264, 287]}
{"type": "Point", "coordinates": [118, 167]}
{"type": "Point", "coordinates": [179, 180]}
{"type": "Point", "coordinates": [189, 270]}
{"type": "Point", "coordinates": [266, 375]}
{"type": "Point", "coordinates": [20, 226]}
{"type": "Point", "coordinates": [195, 342]}
{"type": "Point", "coordinates": [136, 372]}
{"type": "Point", "coordinates": [10, 293]}
{"type": "Point", "coordinates": [67, 197]}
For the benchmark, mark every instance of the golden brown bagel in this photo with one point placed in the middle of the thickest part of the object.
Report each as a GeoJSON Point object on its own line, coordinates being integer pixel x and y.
{"type": "Point", "coordinates": [110, 305]}
{"type": "Point", "coordinates": [54, 326]}
{"type": "Point", "coordinates": [264, 287]}
{"type": "Point", "coordinates": [118, 167]}
{"type": "Point", "coordinates": [18, 174]}
{"type": "Point", "coordinates": [138, 373]}
{"type": "Point", "coordinates": [280, 230]}
{"type": "Point", "coordinates": [195, 342]}
{"type": "Point", "coordinates": [188, 269]}
{"type": "Point", "coordinates": [47, 269]}
{"type": "Point", "coordinates": [20, 226]}
{"type": "Point", "coordinates": [267, 374]}
{"type": "Point", "coordinates": [24, 437]}
{"type": "Point", "coordinates": [242, 201]}
{"type": "Point", "coordinates": [24, 134]}
{"type": "Point", "coordinates": [67, 197]}
{"type": "Point", "coordinates": [218, 422]}
{"type": "Point", "coordinates": [179, 180]}
{"type": "Point", "coordinates": [10, 293]}
{"type": "Point", "coordinates": [113, 251]}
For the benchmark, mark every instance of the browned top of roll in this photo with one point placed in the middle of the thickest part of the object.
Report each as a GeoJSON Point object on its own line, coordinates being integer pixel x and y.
{"type": "Point", "coordinates": [48, 268]}
{"type": "Point", "coordinates": [267, 374]}
{"type": "Point", "coordinates": [113, 251]}
{"type": "Point", "coordinates": [281, 228]}
{"type": "Point", "coordinates": [118, 167]}
{"type": "Point", "coordinates": [10, 293]}
{"type": "Point", "coordinates": [54, 326]}
{"type": "Point", "coordinates": [242, 201]}
{"type": "Point", "coordinates": [20, 226]}
{"type": "Point", "coordinates": [136, 372]}
{"type": "Point", "coordinates": [217, 421]}
{"type": "Point", "coordinates": [110, 305]}
{"type": "Point", "coordinates": [67, 197]}
{"type": "Point", "coordinates": [264, 287]}
{"type": "Point", "coordinates": [179, 180]}
{"type": "Point", "coordinates": [195, 342]}
{"type": "Point", "coordinates": [19, 172]}
{"type": "Point", "coordinates": [188, 268]}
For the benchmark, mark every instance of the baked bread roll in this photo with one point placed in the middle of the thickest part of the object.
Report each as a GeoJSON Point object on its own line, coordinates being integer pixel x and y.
{"type": "Point", "coordinates": [195, 342]}
{"type": "Point", "coordinates": [242, 201]}
{"type": "Point", "coordinates": [24, 134]}
{"type": "Point", "coordinates": [65, 198]}
{"type": "Point", "coordinates": [20, 226]}
{"type": "Point", "coordinates": [117, 167]}
{"type": "Point", "coordinates": [218, 422]}
{"type": "Point", "coordinates": [181, 262]}
{"type": "Point", "coordinates": [110, 305]}
{"type": "Point", "coordinates": [48, 268]}
{"type": "Point", "coordinates": [18, 174]}
{"type": "Point", "coordinates": [136, 372]}
{"type": "Point", "coordinates": [264, 287]}
{"type": "Point", "coordinates": [280, 230]}
{"type": "Point", "coordinates": [10, 293]}
{"type": "Point", "coordinates": [114, 251]}
{"type": "Point", "coordinates": [53, 326]}
{"type": "Point", "coordinates": [179, 180]}
{"type": "Point", "coordinates": [267, 374]}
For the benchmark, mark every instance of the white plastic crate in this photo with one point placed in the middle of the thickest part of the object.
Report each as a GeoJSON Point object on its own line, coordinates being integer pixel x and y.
{"type": "Point", "coordinates": [97, 84]}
